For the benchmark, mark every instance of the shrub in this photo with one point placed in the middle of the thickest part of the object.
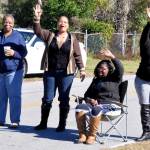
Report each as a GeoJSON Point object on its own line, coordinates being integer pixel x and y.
{"type": "Point", "coordinates": [94, 26]}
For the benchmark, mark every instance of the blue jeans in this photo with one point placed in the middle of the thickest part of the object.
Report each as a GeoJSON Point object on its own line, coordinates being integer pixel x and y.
{"type": "Point", "coordinates": [62, 81]}
{"type": "Point", "coordinates": [10, 88]}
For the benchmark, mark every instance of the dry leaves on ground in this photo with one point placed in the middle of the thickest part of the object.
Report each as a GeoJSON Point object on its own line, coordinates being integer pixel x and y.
{"type": "Point", "coordinates": [136, 146]}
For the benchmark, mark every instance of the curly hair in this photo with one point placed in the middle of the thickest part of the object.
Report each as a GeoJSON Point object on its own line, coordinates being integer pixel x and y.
{"type": "Point", "coordinates": [106, 62]}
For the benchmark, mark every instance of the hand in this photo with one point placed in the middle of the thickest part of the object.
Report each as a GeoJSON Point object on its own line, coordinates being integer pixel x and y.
{"type": "Point", "coordinates": [9, 52]}
{"type": "Point", "coordinates": [148, 12]}
{"type": "Point", "coordinates": [37, 11]}
{"type": "Point", "coordinates": [82, 75]}
{"type": "Point", "coordinates": [39, 2]}
{"type": "Point", "coordinates": [92, 101]}
{"type": "Point", "coordinates": [106, 53]}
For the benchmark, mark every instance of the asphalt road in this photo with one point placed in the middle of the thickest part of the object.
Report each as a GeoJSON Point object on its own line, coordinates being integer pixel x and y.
{"type": "Point", "coordinates": [26, 138]}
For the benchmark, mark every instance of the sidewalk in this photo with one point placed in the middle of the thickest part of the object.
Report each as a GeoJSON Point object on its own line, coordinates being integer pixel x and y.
{"type": "Point", "coordinates": [27, 138]}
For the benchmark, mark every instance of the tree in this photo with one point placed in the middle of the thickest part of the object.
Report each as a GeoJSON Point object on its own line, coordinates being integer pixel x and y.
{"type": "Point", "coordinates": [22, 11]}
{"type": "Point", "coordinates": [122, 9]}
{"type": "Point", "coordinates": [105, 10]}
{"type": "Point", "coordinates": [52, 9]}
{"type": "Point", "coordinates": [82, 10]}
{"type": "Point", "coordinates": [137, 16]}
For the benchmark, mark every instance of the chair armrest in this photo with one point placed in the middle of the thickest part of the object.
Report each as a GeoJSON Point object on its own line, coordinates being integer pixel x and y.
{"type": "Point", "coordinates": [119, 104]}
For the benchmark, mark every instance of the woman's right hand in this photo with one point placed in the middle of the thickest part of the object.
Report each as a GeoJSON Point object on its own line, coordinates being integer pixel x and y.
{"type": "Point", "coordinates": [92, 101]}
{"type": "Point", "coordinates": [37, 11]}
{"type": "Point", "coordinates": [107, 53]}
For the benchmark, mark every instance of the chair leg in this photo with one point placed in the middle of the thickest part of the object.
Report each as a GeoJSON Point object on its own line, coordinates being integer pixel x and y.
{"type": "Point", "coordinates": [113, 127]}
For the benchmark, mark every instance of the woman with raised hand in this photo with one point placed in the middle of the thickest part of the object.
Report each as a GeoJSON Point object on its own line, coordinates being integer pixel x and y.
{"type": "Point", "coordinates": [60, 60]}
{"type": "Point", "coordinates": [102, 96]}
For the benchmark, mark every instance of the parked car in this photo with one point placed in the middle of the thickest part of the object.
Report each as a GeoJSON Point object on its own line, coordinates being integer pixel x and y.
{"type": "Point", "coordinates": [35, 47]}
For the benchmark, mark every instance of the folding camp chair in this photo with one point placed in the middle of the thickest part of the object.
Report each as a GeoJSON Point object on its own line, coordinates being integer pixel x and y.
{"type": "Point", "coordinates": [115, 118]}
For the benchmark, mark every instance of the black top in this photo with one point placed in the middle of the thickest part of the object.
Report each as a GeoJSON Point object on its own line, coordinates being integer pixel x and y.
{"type": "Point", "coordinates": [58, 58]}
{"type": "Point", "coordinates": [106, 89]}
{"type": "Point", "coordinates": [143, 71]}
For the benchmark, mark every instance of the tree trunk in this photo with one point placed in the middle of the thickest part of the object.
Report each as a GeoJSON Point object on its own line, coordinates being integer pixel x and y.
{"type": "Point", "coordinates": [122, 9]}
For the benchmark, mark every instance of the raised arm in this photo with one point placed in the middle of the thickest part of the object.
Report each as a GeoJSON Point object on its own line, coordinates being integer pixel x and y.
{"type": "Point", "coordinates": [119, 70]}
{"type": "Point", "coordinates": [41, 33]}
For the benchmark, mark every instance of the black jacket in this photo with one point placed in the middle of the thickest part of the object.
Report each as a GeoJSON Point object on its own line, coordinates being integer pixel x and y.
{"type": "Point", "coordinates": [106, 89]}
{"type": "Point", "coordinates": [144, 68]}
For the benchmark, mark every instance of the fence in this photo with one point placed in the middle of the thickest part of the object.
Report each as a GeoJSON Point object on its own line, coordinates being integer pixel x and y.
{"type": "Point", "coordinates": [120, 43]}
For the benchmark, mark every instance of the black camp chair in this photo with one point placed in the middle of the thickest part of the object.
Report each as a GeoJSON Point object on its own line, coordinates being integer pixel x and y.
{"type": "Point", "coordinates": [112, 119]}
{"type": "Point", "coordinates": [115, 118]}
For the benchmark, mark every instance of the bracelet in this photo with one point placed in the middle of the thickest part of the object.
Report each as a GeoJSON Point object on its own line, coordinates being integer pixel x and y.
{"type": "Point", "coordinates": [36, 19]}
{"type": "Point", "coordinates": [83, 69]}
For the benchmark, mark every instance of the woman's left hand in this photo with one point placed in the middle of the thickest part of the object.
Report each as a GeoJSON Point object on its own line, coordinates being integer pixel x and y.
{"type": "Point", "coordinates": [82, 75]}
{"type": "Point", "coordinates": [9, 52]}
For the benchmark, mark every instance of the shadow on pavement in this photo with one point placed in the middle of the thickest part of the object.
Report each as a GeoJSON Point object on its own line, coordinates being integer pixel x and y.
{"type": "Point", "coordinates": [128, 137]}
{"type": "Point", "coordinates": [49, 133]}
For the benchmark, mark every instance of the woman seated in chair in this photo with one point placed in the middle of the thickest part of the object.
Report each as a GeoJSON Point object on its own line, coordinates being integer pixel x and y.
{"type": "Point", "coordinates": [101, 96]}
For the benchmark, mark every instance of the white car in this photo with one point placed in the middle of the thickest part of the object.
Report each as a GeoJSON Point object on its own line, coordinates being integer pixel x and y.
{"type": "Point", "coordinates": [35, 47]}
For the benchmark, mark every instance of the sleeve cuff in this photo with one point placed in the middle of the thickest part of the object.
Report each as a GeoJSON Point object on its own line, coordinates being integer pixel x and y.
{"type": "Point", "coordinates": [82, 69]}
{"type": "Point", "coordinates": [36, 20]}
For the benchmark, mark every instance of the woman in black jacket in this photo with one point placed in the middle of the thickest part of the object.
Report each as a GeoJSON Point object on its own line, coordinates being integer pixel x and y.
{"type": "Point", "coordinates": [60, 60]}
{"type": "Point", "coordinates": [101, 95]}
{"type": "Point", "coordinates": [142, 81]}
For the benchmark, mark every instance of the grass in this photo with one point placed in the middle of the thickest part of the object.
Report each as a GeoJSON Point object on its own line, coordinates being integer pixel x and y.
{"type": "Point", "coordinates": [130, 66]}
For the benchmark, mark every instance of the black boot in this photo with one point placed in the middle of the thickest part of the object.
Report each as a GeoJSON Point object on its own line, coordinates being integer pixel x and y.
{"type": "Point", "coordinates": [45, 109]}
{"type": "Point", "coordinates": [63, 114]}
{"type": "Point", "coordinates": [145, 120]}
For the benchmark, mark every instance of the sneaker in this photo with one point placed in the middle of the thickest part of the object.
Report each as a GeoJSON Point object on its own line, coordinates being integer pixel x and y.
{"type": "Point", "coordinates": [14, 125]}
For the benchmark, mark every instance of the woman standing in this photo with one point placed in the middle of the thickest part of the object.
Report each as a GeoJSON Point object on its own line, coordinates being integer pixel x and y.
{"type": "Point", "coordinates": [60, 60]}
{"type": "Point", "coordinates": [142, 81]}
{"type": "Point", "coordinates": [12, 52]}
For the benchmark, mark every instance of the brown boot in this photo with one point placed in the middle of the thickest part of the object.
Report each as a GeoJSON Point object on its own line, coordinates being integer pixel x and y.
{"type": "Point", "coordinates": [81, 125]}
{"type": "Point", "coordinates": [93, 128]}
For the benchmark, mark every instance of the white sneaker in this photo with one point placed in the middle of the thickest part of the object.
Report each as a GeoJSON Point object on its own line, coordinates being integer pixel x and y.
{"type": "Point", "coordinates": [14, 125]}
